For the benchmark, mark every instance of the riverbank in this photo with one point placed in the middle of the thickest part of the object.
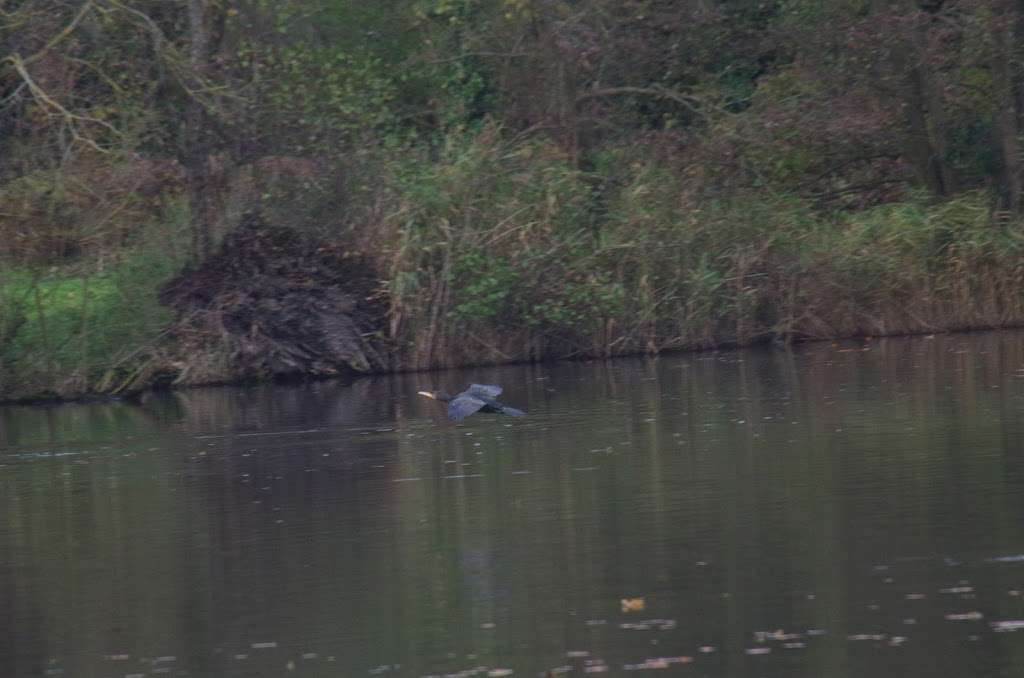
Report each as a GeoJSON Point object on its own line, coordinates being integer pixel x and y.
{"type": "Point", "coordinates": [842, 344]}
{"type": "Point", "coordinates": [491, 254]}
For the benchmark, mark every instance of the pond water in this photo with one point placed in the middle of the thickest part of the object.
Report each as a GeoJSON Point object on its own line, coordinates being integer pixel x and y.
{"type": "Point", "coordinates": [834, 510]}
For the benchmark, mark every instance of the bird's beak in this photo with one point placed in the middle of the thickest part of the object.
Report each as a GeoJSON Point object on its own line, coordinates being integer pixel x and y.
{"type": "Point", "coordinates": [427, 393]}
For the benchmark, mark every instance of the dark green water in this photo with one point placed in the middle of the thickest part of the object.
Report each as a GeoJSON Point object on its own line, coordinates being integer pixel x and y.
{"type": "Point", "coordinates": [818, 513]}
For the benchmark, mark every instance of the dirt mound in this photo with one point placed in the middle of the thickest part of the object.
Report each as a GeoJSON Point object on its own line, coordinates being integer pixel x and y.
{"type": "Point", "coordinates": [273, 302]}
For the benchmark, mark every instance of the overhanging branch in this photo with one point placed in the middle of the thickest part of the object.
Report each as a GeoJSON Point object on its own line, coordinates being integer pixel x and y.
{"type": "Point", "coordinates": [691, 103]}
{"type": "Point", "coordinates": [64, 33]}
{"type": "Point", "coordinates": [49, 102]}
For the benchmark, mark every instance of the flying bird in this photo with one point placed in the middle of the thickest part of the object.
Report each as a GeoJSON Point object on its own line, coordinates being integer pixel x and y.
{"type": "Point", "coordinates": [476, 398]}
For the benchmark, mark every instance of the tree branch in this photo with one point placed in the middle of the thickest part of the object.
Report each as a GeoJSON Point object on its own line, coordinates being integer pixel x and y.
{"type": "Point", "coordinates": [70, 118]}
{"type": "Point", "coordinates": [691, 103]}
{"type": "Point", "coordinates": [68, 30]}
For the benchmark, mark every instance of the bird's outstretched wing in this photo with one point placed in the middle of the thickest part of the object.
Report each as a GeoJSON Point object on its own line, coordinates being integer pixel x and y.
{"type": "Point", "coordinates": [484, 390]}
{"type": "Point", "coordinates": [463, 406]}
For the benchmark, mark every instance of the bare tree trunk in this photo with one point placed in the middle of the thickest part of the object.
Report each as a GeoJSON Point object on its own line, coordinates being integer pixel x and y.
{"type": "Point", "coordinates": [925, 144]}
{"type": "Point", "coordinates": [206, 28]}
{"type": "Point", "coordinates": [1006, 119]}
{"type": "Point", "coordinates": [197, 179]}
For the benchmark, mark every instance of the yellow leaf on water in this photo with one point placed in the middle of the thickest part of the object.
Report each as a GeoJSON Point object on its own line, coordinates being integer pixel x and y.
{"type": "Point", "coordinates": [633, 604]}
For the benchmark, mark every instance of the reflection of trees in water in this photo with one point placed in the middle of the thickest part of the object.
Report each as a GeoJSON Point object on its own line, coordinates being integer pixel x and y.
{"type": "Point", "coordinates": [291, 482]}
{"type": "Point", "coordinates": [270, 407]}
{"type": "Point", "coordinates": [93, 537]}
{"type": "Point", "coordinates": [42, 427]}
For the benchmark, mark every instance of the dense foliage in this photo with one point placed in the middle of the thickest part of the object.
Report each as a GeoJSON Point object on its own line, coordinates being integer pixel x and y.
{"type": "Point", "coordinates": [530, 178]}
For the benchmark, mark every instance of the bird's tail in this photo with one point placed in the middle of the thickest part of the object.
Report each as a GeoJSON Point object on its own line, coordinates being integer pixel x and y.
{"type": "Point", "coordinates": [512, 412]}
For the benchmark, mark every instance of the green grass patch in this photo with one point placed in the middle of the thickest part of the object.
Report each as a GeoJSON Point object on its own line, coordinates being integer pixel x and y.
{"type": "Point", "coordinates": [66, 330]}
